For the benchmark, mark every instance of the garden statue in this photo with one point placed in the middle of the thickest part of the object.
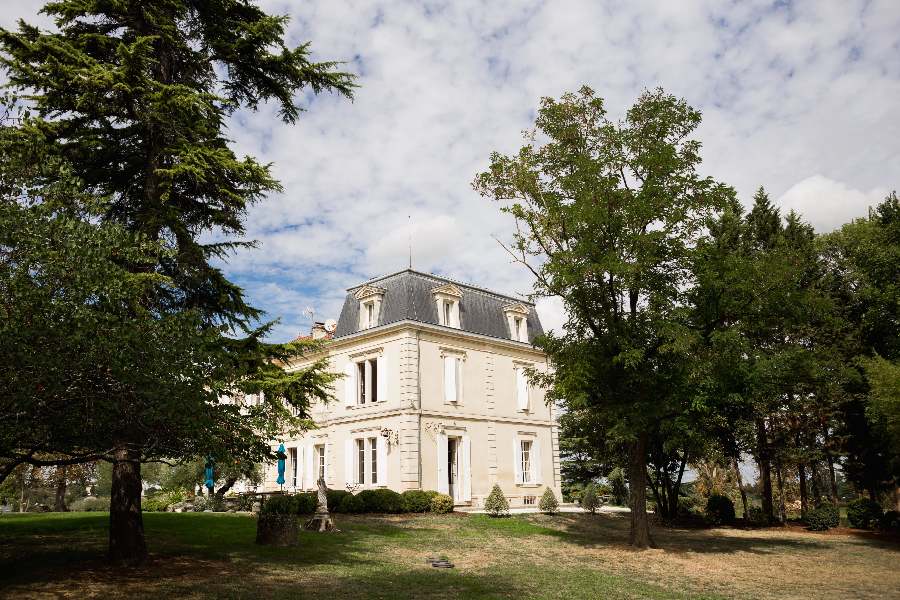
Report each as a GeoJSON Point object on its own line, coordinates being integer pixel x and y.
{"type": "Point", "coordinates": [321, 521]}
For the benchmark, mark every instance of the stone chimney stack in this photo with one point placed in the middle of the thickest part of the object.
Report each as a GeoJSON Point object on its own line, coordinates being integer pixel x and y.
{"type": "Point", "coordinates": [318, 330]}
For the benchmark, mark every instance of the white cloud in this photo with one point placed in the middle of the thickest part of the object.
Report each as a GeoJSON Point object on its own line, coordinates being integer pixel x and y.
{"type": "Point", "coordinates": [827, 204]}
{"type": "Point", "coordinates": [789, 91]}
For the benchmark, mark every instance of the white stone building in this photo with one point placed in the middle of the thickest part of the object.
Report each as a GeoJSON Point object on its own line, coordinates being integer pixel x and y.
{"type": "Point", "coordinates": [434, 396]}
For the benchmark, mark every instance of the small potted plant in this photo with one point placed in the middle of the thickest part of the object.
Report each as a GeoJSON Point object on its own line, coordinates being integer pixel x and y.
{"type": "Point", "coordinates": [277, 523]}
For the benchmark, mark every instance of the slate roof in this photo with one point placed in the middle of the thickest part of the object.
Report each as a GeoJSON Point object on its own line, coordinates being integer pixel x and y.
{"type": "Point", "coordinates": [408, 296]}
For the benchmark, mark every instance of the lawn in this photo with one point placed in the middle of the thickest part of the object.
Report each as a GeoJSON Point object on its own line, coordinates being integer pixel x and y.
{"type": "Point", "coordinates": [529, 556]}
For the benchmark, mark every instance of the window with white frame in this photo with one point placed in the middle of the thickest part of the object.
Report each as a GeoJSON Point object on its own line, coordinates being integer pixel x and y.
{"type": "Point", "coordinates": [367, 381]}
{"type": "Point", "coordinates": [525, 458]}
{"type": "Point", "coordinates": [447, 298]}
{"type": "Point", "coordinates": [453, 380]}
{"type": "Point", "coordinates": [360, 461]}
{"type": "Point", "coordinates": [320, 460]}
{"type": "Point", "coordinates": [365, 466]}
{"type": "Point", "coordinates": [292, 455]}
{"type": "Point", "coordinates": [370, 301]}
{"type": "Point", "coordinates": [373, 461]}
{"type": "Point", "coordinates": [517, 319]}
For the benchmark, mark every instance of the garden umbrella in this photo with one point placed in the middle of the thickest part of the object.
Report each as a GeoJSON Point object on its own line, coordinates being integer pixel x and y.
{"type": "Point", "coordinates": [281, 457]}
{"type": "Point", "coordinates": [210, 482]}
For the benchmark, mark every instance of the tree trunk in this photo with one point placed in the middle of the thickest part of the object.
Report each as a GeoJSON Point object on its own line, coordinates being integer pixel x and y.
{"type": "Point", "coordinates": [814, 480]}
{"type": "Point", "coordinates": [765, 469]}
{"type": "Point", "coordinates": [637, 487]}
{"type": "Point", "coordinates": [228, 485]}
{"type": "Point", "coordinates": [897, 494]}
{"type": "Point", "coordinates": [804, 500]}
{"type": "Point", "coordinates": [60, 504]}
{"type": "Point", "coordinates": [126, 526]}
{"type": "Point", "coordinates": [782, 510]}
{"type": "Point", "coordinates": [676, 488]}
{"type": "Point", "coordinates": [832, 479]}
{"type": "Point", "coordinates": [740, 484]}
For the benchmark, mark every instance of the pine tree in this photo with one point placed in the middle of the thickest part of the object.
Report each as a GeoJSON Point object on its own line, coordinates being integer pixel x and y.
{"type": "Point", "coordinates": [549, 504]}
{"type": "Point", "coordinates": [130, 100]}
{"type": "Point", "coordinates": [496, 503]}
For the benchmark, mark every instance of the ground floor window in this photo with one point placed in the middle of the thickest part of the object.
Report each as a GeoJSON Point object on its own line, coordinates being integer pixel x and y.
{"type": "Point", "coordinates": [525, 454]}
{"type": "Point", "coordinates": [292, 454]}
{"type": "Point", "coordinates": [320, 457]}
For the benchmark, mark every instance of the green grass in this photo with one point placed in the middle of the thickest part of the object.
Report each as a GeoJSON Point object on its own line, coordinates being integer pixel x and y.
{"type": "Point", "coordinates": [203, 555]}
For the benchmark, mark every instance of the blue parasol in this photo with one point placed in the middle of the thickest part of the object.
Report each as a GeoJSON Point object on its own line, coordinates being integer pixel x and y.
{"type": "Point", "coordinates": [210, 482]}
{"type": "Point", "coordinates": [281, 465]}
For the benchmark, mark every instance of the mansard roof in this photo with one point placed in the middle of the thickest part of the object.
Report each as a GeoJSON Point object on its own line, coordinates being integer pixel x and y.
{"type": "Point", "coordinates": [409, 295]}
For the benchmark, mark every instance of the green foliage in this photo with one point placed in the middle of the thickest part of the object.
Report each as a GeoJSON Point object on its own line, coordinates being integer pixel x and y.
{"type": "Point", "coordinates": [416, 501]}
{"type": "Point", "coordinates": [496, 503]}
{"type": "Point", "coordinates": [334, 499]}
{"type": "Point", "coordinates": [756, 515]}
{"type": "Point", "coordinates": [213, 503]}
{"type": "Point", "coordinates": [719, 510]}
{"type": "Point", "coordinates": [352, 504]}
{"type": "Point", "coordinates": [864, 513]}
{"type": "Point", "coordinates": [548, 503]}
{"type": "Point", "coordinates": [161, 501]}
{"type": "Point", "coordinates": [590, 501]}
{"type": "Point", "coordinates": [890, 521]}
{"type": "Point", "coordinates": [290, 504]}
{"type": "Point", "coordinates": [90, 504]}
{"type": "Point", "coordinates": [381, 500]}
{"type": "Point", "coordinates": [441, 504]}
{"type": "Point", "coordinates": [617, 486]}
{"type": "Point", "coordinates": [822, 518]}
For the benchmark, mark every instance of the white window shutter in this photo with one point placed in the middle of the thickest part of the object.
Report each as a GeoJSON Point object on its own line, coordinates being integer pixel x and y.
{"type": "Point", "coordinates": [517, 458]}
{"type": "Point", "coordinates": [350, 384]}
{"type": "Point", "coordinates": [465, 468]}
{"type": "Point", "coordinates": [521, 389]}
{"type": "Point", "coordinates": [440, 311]}
{"type": "Point", "coordinates": [327, 458]}
{"type": "Point", "coordinates": [536, 461]}
{"type": "Point", "coordinates": [454, 313]}
{"type": "Point", "coordinates": [381, 456]}
{"type": "Point", "coordinates": [309, 473]}
{"type": "Point", "coordinates": [449, 379]}
{"type": "Point", "coordinates": [348, 462]}
{"type": "Point", "coordinates": [443, 485]}
{"type": "Point", "coordinates": [381, 367]}
{"type": "Point", "coordinates": [458, 371]}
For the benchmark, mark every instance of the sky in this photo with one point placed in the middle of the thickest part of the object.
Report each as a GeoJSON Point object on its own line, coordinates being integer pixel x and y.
{"type": "Point", "coordinates": [802, 98]}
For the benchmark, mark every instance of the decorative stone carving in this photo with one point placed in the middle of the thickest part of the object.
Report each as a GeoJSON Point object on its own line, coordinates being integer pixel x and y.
{"type": "Point", "coordinates": [321, 521]}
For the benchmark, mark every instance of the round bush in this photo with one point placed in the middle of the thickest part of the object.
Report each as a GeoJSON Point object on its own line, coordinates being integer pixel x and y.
{"type": "Point", "coordinates": [496, 503]}
{"type": "Point", "coordinates": [352, 504]}
{"type": "Point", "coordinates": [822, 518]}
{"type": "Point", "coordinates": [441, 504]}
{"type": "Point", "coordinates": [589, 500]}
{"type": "Point", "coordinates": [863, 513]}
{"type": "Point", "coordinates": [719, 509]}
{"type": "Point", "coordinates": [381, 501]}
{"type": "Point", "coordinates": [278, 505]}
{"type": "Point", "coordinates": [549, 504]}
{"type": "Point", "coordinates": [334, 498]}
{"type": "Point", "coordinates": [307, 502]}
{"type": "Point", "coordinates": [890, 521]}
{"type": "Point", "coordinates": [755, 514]}
{"type": "Point", "coordinates": [416, 501]}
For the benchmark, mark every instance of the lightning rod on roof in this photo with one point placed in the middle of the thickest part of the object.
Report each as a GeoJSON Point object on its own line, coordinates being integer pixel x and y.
{"type": "Point", "coordinates": [409, 220]}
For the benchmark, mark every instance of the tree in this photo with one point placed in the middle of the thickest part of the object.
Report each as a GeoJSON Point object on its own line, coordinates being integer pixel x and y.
{"type": "Point", "coordinates": [607, 215]}
{"type": "Point", "coordinates": [127, 102]}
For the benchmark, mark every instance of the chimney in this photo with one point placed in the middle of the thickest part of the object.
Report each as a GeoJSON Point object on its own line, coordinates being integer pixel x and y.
{"type": "Point", "coordinates": [318, 330]}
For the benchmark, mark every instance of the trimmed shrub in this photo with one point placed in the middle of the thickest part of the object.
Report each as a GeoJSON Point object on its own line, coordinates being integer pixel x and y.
{"type": "Point", "coordinates": [890, 521]}
{"type": "Point", "coordinates": [278, 505]}
{"type": "Point", "coordinates": [755, 515]}
{"type": "Point", "coordinates": [441, 503]}
{"type": "Point", "coordinates": [719, 510]}
{"type": "Point", "coordinates": [590, 501]}
{"type": "Point", "coordinates": [352, 504]}
{"type": "Point", "coordinates": [334, 498]}
{"type": "Point", "coordinates": [416, 501]}
{"type": "Point", "coordinates": [381, 501]}
{"type": "Point", "coordinates": [307, 502]}
{"type": "Point", "coordinates": [822, 518]}
{"type": "Point", "coordinates": [549, 504]}
{"type": "Point", "coordinates": [496, 503]}
{"type": "Point", "coordinates": [245, 502]}
{"type": "Point", "coordinates": [617, 486]}
{"type": "Point", "coordinates": [90, 504]}
{"type": "Point", "coordinates": [863, 513]}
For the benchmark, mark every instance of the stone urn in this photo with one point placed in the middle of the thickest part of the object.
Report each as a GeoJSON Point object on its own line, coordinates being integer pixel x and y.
{"type": "Point", "coordinates": [277, 530]}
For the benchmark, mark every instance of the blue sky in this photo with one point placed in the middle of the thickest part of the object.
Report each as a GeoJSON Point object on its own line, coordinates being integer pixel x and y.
{"type": "Point", "coordinates": [801, 97]}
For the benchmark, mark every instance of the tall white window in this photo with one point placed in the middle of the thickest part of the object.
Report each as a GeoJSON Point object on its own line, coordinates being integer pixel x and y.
{"type": "Point", "coordinates": [522, 395]}
{"type": "Point", "coordinates": [320, 459]}
{"type": "Point", "coordinates": [517, 319]}
{"type": "Point", "coordinates": [525, 457]}
{"type": "Point", "coordinates": [367, 381]}
{"type": "Point", "coordinates": [370, 301]}
{"type": "Point", "coordinates": [447, 299]}
{"type": "Point", "coordinates": [373, 460]}
{"type": "Point", "coordinates": [292, 455]}
{"type": "Point", "coordinates": [361, 461]}
{"type": "Point", "coordinates": [518, 325]}
{"type": "Point", "coordinates": [452, 378]}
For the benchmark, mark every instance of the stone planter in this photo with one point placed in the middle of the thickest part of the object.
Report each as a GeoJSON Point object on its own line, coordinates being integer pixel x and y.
{"type": "Point", "coordinates": [277, 530]}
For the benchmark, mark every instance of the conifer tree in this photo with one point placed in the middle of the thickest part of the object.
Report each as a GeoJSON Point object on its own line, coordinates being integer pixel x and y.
{"type": "Point", "coordinates": [130, 101]}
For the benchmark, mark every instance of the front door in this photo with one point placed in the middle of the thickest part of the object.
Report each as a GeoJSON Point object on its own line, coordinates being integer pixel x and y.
{"type": "Point", "coordinates": [452, 470]}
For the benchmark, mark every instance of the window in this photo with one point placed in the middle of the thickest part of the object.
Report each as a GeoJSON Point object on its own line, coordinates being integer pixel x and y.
{"type": "Point", "coordinates": [525, 455]}
{"type": "Point", "coordinates": [373, 460]}
{"type": "Point", "coordinates": [452, 378]}
{"type": "Point", "coordinates": [518, 322]}
{"type": "Point", "coordinates": [292, 454]}
{"type": "Point", "coordinates": [447, 299]}
{"type": "Point", "coordinates": [370, 300]}
{"type": "Point", "coordinates": [361, 461]}
{"type": "Point", "coordinates": [529, 500]}
{"type": "Point", "coordinates": [448, 311]}
{"type": "Point", "coordinates": [320, 457]}
{"type": "Point", "coordinates": [522, 403]}
{"type": "Point", "coordinates": [370, 314]}
{"type": "Point", "coordinates": [367, 381]}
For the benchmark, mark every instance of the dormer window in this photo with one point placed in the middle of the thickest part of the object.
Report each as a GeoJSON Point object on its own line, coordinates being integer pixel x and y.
{"type": "Point", "coordinates": [517, 319]}
{"type": "Point", "coordinates": [447, 298]}
{"type": "Point", "coordinates": [370, 300]}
